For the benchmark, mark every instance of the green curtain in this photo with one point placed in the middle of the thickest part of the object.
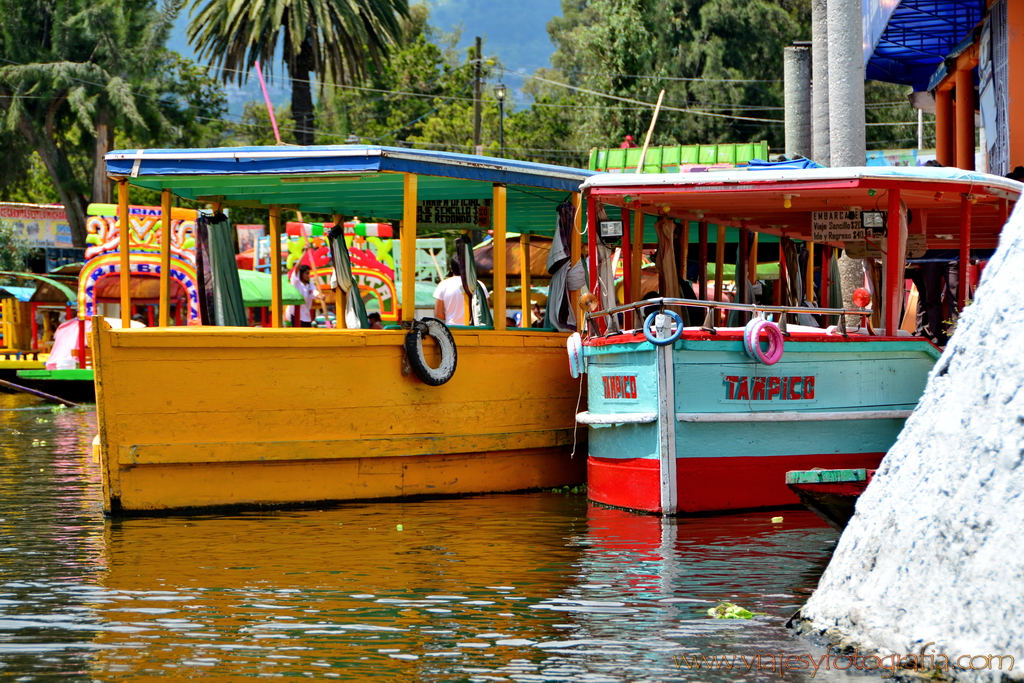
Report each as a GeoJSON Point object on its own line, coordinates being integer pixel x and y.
{"type": "Point", "coordinates": [483, 311]}
{"type": "Point", "coordinates": [226, 307]}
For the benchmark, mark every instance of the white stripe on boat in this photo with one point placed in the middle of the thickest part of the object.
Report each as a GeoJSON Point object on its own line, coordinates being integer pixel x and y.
{"type": "Point", "coordinates": [794, 416]}
{"type": "Point", "coordinates": [588, 418]}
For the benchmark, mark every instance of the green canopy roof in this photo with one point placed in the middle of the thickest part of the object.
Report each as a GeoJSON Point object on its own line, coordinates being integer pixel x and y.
{"type": "Point", "coordinates": [256, 289]}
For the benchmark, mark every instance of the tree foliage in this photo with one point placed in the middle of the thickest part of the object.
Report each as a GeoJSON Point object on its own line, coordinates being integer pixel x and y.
{"type": "Point", "coordinates": [335, 39]}
{"type": "Point", "coordinates": [74, 69]}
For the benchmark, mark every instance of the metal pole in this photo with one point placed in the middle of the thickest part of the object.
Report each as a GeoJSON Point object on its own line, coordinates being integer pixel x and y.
{"type": "Point", "coordinates": [847, 141]}
{"type": "Point", "coordinates": [797, 91]}
{"type": "Point", "coordinates": [820, 148]}
{"type": "Point", "coordinates": [477, 87]}
{"type": "Point", "coordinates": [965, 252]}
{"type": "Point", "coordinates": [501, 126]}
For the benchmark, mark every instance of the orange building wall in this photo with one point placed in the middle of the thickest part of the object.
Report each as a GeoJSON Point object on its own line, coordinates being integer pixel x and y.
{"type": "Point", "coordinates": [1015, 25]}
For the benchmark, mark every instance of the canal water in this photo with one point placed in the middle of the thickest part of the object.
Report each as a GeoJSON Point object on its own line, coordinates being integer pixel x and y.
{"type": "Point", "coordinates": [532, 587]}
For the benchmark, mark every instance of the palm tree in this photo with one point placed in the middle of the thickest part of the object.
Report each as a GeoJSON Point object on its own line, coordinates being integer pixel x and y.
{"type": "Point", "coordinates": [332, 38]}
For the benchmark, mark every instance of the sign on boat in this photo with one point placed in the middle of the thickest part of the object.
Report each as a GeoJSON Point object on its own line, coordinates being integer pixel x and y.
{"type": "Point", "coordinates": [699, 403]}
{"type": "Point", "coordinates": [210, 416]}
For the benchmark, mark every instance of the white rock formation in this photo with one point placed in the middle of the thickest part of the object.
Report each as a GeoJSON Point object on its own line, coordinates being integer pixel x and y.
{"type": "Point", "coordinates": [935, 551]}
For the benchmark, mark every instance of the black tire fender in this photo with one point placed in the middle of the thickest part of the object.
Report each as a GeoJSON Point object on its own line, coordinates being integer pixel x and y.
{"type": "Point", "coordinates": [439, 332]}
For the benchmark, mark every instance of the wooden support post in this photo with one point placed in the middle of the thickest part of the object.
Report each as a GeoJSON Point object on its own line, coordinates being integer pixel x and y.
{"type": "Point", "coordinates": [740, 274]}
{"type": "Point", "coordinates": [965, 252]}
{"type": "Point", "coordinates": [595, 285]}
{"type": "Point", "coordinates": [892, 301]}
{"type": "Point", "coordinates": [964, 132]}
{"type": "Point", "coordinates": [500, 279]}
{"type": "Point", "coordinates": [944, 126]}
{"type": "Point", "coordinates": [826, 256]}
{"type": "Point", "coordinates": [702, 260]}
{"type": "Point", "coordinates": [719, 263]}
{"type": "Point", "coordinates": [638, 254]}
{"type": "Point", "coordinates": [409, 248]}
{"type": "Point", "coordinates": [124, 220]}
{"type": "Point", "coordinates": [809, 275]}
{"type": "Point", "coordinates": [684, 250]}
{"type": "Point", "coordinates": [575, 253]}
{"type": "Point", "coordinates": [752, 261]}
{"type": "Point", "coordinates": [165, 258]}
{"type": "Point", "coordinates": [626, 257]}
{"type": "Point", "coordinates": [781, 295]}
{"type": "Point", "coordinates": [524, 279]}
{"type": "Point", "coordinates": [340, 295]}
{"type": "Point", "coordinates": [275, 267]}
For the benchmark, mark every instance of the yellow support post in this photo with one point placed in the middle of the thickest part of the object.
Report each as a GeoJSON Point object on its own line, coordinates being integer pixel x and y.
{"type": "Point", "coordinates": [637, 253]}
{"type": "Point", "coordinates": [719, 262]}
{"type": "Point", "coordinates": [524, 279]}
{"type": "Point", "coordinates": [165, 258]}
{"type": "Point", "coordinates": [275, 267]}
{"type": "Point", "coordinates": [500, 206]}
{"type": "Point", "coordinates": [125, 222]}
{"type": "Point", "coordinates": [409, 248]}
{"type": "Point", "coordinates": [575, 252]}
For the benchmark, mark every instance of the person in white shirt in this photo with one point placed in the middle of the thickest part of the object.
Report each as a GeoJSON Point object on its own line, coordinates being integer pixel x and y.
{"type": "Point", "coordinates": [449, 299]}
{"type": "Point", "coordinates": [302, 316]}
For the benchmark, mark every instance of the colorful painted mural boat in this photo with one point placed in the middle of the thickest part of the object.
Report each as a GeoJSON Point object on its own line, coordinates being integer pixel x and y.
{"type": "Point", "coordinates": [210, 416]}
{"type": "Point", "coordinates": [691, 416]}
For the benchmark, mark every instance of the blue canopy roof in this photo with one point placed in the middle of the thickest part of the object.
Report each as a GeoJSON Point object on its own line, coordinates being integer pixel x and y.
{"type": "Point", "coordinates": [918, 36]}
{"type": "Point", "coordinates": [349, 179]}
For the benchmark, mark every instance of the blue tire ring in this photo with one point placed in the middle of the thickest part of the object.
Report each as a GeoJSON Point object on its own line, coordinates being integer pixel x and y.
{"type": "Point", "coordinates": [672, 337]}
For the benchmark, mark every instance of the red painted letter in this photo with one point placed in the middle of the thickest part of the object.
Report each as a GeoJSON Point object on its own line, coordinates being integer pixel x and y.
{"type": "Point", "coordinates": [809, 387]}
{"type": "Point", "coordinates": [742, 394]}
{"type": "Point", "coordinates": [757, 388]}
{"type": "Point", "coordinates": [774, 386]}
{"type": "Point", "coordinates": [732, 379]}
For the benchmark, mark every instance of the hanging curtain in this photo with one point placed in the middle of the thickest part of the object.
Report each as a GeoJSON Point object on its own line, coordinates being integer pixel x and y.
{"type": "Point", "coordinates": [835, 286]}
{"type": "Point", "coordinates": [220, 291]}
{"type": "Point", "coordinates": [356, 308]}
{"type": "Point", "coordinates": [559, 310]}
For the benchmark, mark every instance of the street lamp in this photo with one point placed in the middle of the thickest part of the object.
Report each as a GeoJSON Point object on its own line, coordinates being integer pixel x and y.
{"type": "Point", "coordinates": [499, 92]}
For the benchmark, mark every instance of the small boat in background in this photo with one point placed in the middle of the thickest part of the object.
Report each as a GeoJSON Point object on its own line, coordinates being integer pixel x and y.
{"type": "Point", "coordinates": [830, 494]}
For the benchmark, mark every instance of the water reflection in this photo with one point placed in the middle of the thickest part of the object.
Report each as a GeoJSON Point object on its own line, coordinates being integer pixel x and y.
{"type": "Point", "coordinates": [538, 587]}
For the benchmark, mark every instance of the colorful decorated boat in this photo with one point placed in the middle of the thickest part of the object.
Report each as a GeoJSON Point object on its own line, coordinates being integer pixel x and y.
{"type": "Point", "coordinates": [698, 405]}
{"type": "Point", "coordinates": [213, 415]}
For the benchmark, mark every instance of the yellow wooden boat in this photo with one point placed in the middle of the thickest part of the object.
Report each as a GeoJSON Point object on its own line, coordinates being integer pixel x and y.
{"type": "Point", "coordinates": [207, 416]}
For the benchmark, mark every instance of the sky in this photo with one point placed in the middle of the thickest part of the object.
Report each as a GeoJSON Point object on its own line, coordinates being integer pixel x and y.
{"type": "Point", "coordinates": [519, 39]}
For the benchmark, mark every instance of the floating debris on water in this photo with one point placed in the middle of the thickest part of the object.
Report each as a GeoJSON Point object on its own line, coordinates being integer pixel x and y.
{"type": "Point", "coordinates": [776, 520]}
{"type": "Point", "coordinates": [727, 610]}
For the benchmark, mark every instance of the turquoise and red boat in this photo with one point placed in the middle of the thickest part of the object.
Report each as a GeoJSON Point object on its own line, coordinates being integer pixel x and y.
{"type": "Point", "coordinates": [699, 404]}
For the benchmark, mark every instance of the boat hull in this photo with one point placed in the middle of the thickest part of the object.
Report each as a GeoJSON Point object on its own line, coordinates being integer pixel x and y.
{"type": "Point", "coordinates": [735, 427]}
{"type": "Point", "coordinates": [215, 417]}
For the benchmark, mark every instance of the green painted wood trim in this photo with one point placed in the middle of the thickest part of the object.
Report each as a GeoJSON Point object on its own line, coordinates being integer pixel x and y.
{"type": "Point", "coordinates": [73, 374]}
{"type": "Point", "coordinates": [826, 476]}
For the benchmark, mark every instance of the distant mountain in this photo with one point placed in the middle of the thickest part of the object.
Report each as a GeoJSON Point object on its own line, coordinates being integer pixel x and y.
{"type": "Point", "coordinates": [518, 38]}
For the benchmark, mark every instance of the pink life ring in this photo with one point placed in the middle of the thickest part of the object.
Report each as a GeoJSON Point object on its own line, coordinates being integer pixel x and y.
{"type": "Point", "coordinates": [752, 344]}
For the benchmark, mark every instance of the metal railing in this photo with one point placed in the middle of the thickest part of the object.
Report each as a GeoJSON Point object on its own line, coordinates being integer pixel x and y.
{"type": "Point", "coordinates": [714, 306]}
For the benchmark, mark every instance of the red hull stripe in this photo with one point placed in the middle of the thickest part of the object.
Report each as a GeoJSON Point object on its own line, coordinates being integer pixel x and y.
{"type": "Point", "coordinates": [711, 484]}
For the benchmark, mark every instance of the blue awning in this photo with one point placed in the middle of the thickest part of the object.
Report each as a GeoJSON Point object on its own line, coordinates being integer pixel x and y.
{"type": "Point", "coordinates": [19, 293]}
{"type": "Point", "coordinates": [354, 180]}
{"type": "Point", "coordinates": [919, 36]}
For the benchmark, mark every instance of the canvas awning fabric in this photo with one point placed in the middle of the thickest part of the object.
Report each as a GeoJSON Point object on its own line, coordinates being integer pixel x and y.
{"type": "Point", "coordinates": [256, 289]}
{"type": "Point", "coordinates": [19, 293]}
{"type": "Point", "coordinates": [349, 179]}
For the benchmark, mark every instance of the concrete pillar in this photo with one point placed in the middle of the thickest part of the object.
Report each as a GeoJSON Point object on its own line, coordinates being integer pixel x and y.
{"type": "Point", "coordinates": [796, 69]}
{"type": "Point", "coordinates": [847, 141]}
{"type": "Point", "coordinates": [819, 90]}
